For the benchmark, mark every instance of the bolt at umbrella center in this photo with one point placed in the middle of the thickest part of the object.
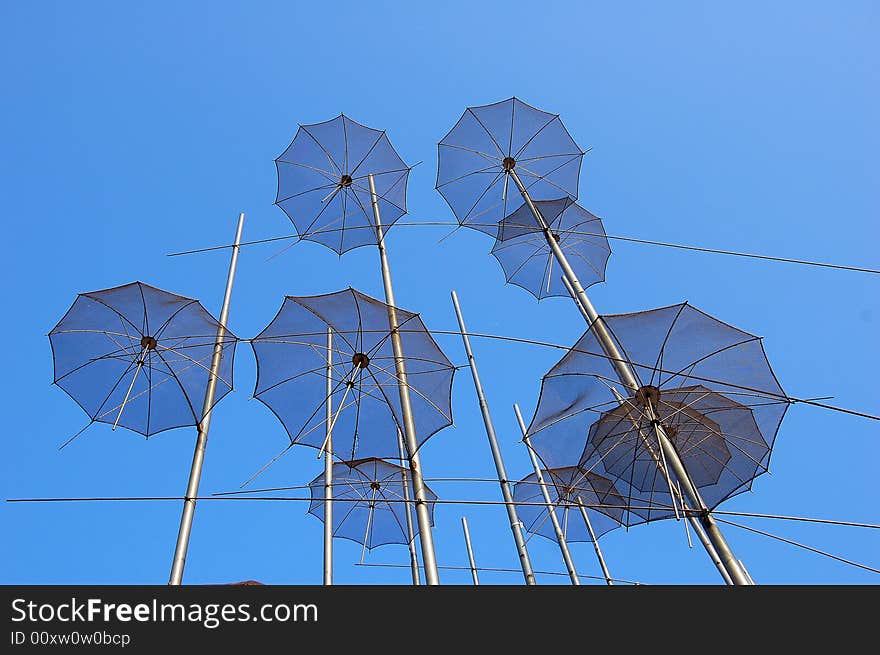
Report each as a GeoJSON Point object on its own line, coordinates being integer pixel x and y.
{"type": "Point", "coordinates": [508, 163]}
{"type": "Point", "coordinates": [148, 343]}
{"type": "Point", "coordinates": [648, 394]}
{"type": "Point", "coordinates": [360, 360]}
{"type": "Point", "coordinates": [345, 181]}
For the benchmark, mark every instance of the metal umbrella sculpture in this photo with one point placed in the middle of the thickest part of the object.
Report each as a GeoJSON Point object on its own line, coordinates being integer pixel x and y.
{"type": "Point", "coordinates": [336, 181]}
{"type": "Point", "coordinates": [142, 358]}
{"type": "Point", "coordinates": [492, 145]}
{"type": "Point", "coordinates": [361, 405]}
{"type": "Point", "coordinates": [527, 259]}
{"type": "Point", "coordinates": [324, 183]}
{"type": "Point", "coordinates": [594, 501]}
{"type": "Point", "coordinates": [373, 495]}
{"type": "Point", "coordinates": [682, 413]}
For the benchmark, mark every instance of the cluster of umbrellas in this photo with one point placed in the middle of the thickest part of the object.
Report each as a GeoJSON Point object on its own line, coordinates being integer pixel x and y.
{"type": "Point", "coordinates": [650, 415]}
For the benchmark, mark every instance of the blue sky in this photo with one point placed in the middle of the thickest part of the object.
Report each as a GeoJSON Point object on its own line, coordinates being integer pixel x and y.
{"type": "Point", "coordinates": [130, 132]}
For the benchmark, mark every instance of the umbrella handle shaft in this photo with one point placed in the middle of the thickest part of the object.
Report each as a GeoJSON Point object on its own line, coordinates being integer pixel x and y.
{"type": "Point", "coordinates": [195, 474]}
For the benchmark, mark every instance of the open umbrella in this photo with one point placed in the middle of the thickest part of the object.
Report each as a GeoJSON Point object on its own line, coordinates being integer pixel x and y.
{"type": "Point", "coordinates": [491, 145]}
{"type": "Point", "coordinates": [527, 259]}
{"type": "Point", "coordinates": [373, 498]}
{"type": "Point", "coordinates": [682, 355]}
{"type": "Point", "coordinates": [324, 187]}
{"type": "Point", "coordinates": [139, 357]}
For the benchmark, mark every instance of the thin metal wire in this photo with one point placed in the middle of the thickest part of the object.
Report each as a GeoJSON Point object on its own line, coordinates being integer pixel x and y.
{"type": "Point", "coordinates": [616, 237]}
{"type": "Point", "coordinates": [791, 542]}
{"type": "Point", "coordinates": [232, 495]}
{"type": "Point", "coordinates": [492, 569]}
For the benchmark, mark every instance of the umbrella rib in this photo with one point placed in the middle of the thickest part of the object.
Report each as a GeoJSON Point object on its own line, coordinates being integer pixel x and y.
{"type": "Point", "coordinates": [486, 130]}
{"type": "Point", "coordinates": [146, 326]}
{"type": "Point", "coordinates": [173, 315]}
{"type": "Point", "coordinates": [485, 155]}
{"type": "Point", "coordinates": [331, 177]}
{"type": "Point", "coordinates": [488, 169]}
{"type": "Point", "coordinates": [658, 363]}
{"type": "Point", "coordinates": [139, 394]}
{"type": "Point", "coordinates": [117, 312]}
{"type": "Point", "coordinates": [117, 355]}
{"type": "Point", "coordinates": [532, 138]}
{"type": "Point", "coordinates": [369, 152]}
{"type": "Point", "coordinates": [693, 364]}
{"type": "Point", "coordinates": [196, 417]}
{"type": "Point", "coordinates": [417, 391]}
{"type": "Point", "coordinates": [331, 185]}
{"type": "Point", "coordinates": [321, 146]}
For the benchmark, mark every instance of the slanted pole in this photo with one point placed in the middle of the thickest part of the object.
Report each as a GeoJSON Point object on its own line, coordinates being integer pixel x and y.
{"type": "Point", "coordinates": [195, 473]}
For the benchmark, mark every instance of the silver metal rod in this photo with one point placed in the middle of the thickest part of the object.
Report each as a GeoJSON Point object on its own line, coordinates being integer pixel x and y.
{"type": "Point", "coordinates": [410, 533]}
{"type": "Point", "coordinates": [515, 524]}
{"type": "Point", "coordinates": [551, 507]}
{"type": "Point", "coordinates": [608, 579]}
{"type": "Point", "coordinates": [470, 551]}
{"type": "Point", "coordinates": [423, 516]}
{"type": "Point", "coordinates": [138, 366]}
{"type": "Point", "coordinates": [701, 535]}
{"type": "Point", "coordinates": [328, 467]}
{"type": "Point", "coordinates": [722, 548]}
{"type": "Point", "coordinates": [195, 474]}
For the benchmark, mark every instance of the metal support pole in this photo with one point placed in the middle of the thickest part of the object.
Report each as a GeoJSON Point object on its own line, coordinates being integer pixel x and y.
{"type": "Point", "coordinates": [551, 508]}
{"type": "Point", "coordinates": [410, 533]}
{"type": "Point", "coordinates": [515, 523]}
{"type": "Point", "coordinates": [328, 466]}
{"type": "Point", "coordinates": [426, 536]}
{"type": "Point", "coordinates": [596, 547]}
{"type": "Point", "coordinates": [195, 474]}
{"type": "Point", "coordinates": [731, 563]}
{"type": "Point", "coordinates": [470, 551]}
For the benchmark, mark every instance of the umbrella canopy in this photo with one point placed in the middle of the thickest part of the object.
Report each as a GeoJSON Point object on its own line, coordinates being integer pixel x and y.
{"type": "Point", "coordinates": [526, 257]}
{"type": "Point", "coordinates": [369, 495]}
{"type": "Point", "coordinates": [140, 357]}
{"type": "Point", "coordinates": [323, 184]}
{"type": "Point", "coordinates": [717, 439]}
{"type": "Point", "coordinates": [707, 383]}
{"type": "Point", "coordinates": [567, 485]}
{"type": "Point", "coordinates": [479, 152]}
{"type": "Point", "coordinates": [292, 359]}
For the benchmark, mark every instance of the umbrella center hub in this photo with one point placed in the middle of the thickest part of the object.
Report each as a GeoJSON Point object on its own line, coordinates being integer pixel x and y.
{"type": "Point", "coordinates": [345, 181]}
{"type": "Point", "coordinates": [646, 394]}
{"type": "Point", "coordinates": [360, 360]}
{"type": "Point", "coordinates": [508, 163]}
{"type": "Point", "coordinates": [375, 486]}
{"type": "Point", "coordinates": [148, 343]}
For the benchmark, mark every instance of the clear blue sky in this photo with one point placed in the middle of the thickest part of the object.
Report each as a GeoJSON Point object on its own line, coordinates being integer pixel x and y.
{"type": "Point", "coordinates": [133, 131]}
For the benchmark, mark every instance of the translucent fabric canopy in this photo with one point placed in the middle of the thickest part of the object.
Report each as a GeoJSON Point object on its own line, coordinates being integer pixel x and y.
{"type": "Point", "coordinates": [369, 502]}
{"type": "Point", "coordinates": [140, 357]}
{"type": "Point", "coordinates": [487, 142]}
{"type": "Point", "coordinates": [527, 260]}
{"type": "Point", "coordinates": [323, 184]}
{"type": "Point", "coordinates": [292, 361]}
{"type": "Point", "coordinates": [569, 487]}
{"type": "Point", "coordinates": [716, 438]}
{"type": "Point", "coordinates": [709, 383]}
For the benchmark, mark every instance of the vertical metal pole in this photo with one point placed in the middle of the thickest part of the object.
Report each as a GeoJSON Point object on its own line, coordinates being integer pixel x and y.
{"type": "Point", "coordinates": [410, 533]}
{"type": "Point", "coordinates": [716, 539]}
{"type": "Point", "coordinates": [328, 466]}
{"type": "Point", "coordinates": [515, 524]}
{"type": "Point", "coordinates": [595, 541]}
{"type": "Point", "coordinates": [470, 551]}
{"type": "Point", "coordinates": [195, 474]}
{"type": "Point", "coordinates": [551, 508]}
{"type": "Point", "coordinates": [426, 536]}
